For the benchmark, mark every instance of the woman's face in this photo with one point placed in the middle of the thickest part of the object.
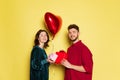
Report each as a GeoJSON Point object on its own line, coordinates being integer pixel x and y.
{"type": "Point", "coordinates": [43, 37]}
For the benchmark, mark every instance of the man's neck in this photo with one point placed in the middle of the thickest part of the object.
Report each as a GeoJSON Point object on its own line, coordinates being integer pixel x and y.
{"type": "Point", "coordinates": [75, 41]}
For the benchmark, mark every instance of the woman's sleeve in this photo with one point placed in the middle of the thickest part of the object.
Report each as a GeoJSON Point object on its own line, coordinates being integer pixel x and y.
{"type": "Point", "coordinates": [37, 62]}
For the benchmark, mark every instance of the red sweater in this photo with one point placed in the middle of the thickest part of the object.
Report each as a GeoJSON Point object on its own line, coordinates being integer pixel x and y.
{"type": "Point", "coordinates": [79, 54]}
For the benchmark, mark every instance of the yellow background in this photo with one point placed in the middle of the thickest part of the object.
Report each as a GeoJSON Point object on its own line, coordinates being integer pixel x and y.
{"type": "Point", "coordinates": [99, 22]}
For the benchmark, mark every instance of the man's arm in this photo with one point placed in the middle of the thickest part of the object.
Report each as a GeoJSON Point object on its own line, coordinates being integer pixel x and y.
{"type": "Point", "coordinates": [71, 66]}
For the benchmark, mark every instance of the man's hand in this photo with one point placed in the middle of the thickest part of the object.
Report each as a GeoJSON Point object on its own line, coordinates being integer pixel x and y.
{"type": "Point", "coordinates": [65, 63]}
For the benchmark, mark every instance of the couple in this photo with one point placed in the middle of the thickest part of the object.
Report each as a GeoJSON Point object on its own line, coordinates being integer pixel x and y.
{"type": "Point", "coordinates": [78, 65]}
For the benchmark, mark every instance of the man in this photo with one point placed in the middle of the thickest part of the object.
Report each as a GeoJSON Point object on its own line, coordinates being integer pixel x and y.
{"type": "Point", "coordinates": [79, 63]}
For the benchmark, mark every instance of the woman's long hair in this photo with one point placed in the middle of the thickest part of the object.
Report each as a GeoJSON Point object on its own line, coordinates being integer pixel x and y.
{"type": "Point", "coordinates": [36, 42]}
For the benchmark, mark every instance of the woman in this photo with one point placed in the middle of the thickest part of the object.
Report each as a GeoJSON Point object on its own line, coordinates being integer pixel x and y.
{"type": "Point", "coordinates": [39, 63]}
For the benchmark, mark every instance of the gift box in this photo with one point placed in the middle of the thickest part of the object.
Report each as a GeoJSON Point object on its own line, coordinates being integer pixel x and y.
{"type": "Point", "coordinates": [57, 57]}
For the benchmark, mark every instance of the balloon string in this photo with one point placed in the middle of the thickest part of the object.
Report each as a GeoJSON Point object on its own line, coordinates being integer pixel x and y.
{"type": "Point", "coordinates": [53, 74]}
{"type": "Point", "coordinates": [53, 37]}
{"type": "Point", "coordinates": [52, 51]}
{"type": "Point", "coordinates": [52, 46]}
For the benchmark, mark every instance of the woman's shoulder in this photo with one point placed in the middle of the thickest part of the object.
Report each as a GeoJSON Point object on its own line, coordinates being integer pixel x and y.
{"type": "Point", "coordinates": [37, 48]}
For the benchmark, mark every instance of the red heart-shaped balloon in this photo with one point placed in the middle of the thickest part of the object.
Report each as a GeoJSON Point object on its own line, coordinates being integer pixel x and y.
{"type": "Point", "coordinates": [53, 23]}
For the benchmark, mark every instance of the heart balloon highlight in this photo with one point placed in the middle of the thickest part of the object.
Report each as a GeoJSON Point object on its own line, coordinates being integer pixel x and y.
{"type": "Point", "coordinates": [53, 23]}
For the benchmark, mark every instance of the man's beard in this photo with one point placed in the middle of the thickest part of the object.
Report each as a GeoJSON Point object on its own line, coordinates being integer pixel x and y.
{"type": "Point", "coordinates": [74, 39]}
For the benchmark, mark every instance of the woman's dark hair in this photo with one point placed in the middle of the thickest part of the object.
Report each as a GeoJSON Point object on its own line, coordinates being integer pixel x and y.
{"type": "Point", "coordinates": [36, 42]}
{"type": "Point", "coordinates": [73, 26]}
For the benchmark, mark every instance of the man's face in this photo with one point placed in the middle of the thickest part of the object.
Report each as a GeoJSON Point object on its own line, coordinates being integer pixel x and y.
{"type": "Point", "coordinates": [73, 34]}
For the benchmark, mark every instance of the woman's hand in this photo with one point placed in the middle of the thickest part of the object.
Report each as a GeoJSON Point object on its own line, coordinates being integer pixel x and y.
{"type": "Point", "coordinates": [50, 61]}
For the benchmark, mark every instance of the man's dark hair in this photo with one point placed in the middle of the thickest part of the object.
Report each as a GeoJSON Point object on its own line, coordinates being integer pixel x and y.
{"type": "Point", "coordinates": [73, 26]}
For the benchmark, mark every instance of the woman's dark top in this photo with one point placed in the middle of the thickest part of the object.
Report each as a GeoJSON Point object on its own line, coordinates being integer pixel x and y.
{"type": "Point", "coordinates": [39, 67]}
